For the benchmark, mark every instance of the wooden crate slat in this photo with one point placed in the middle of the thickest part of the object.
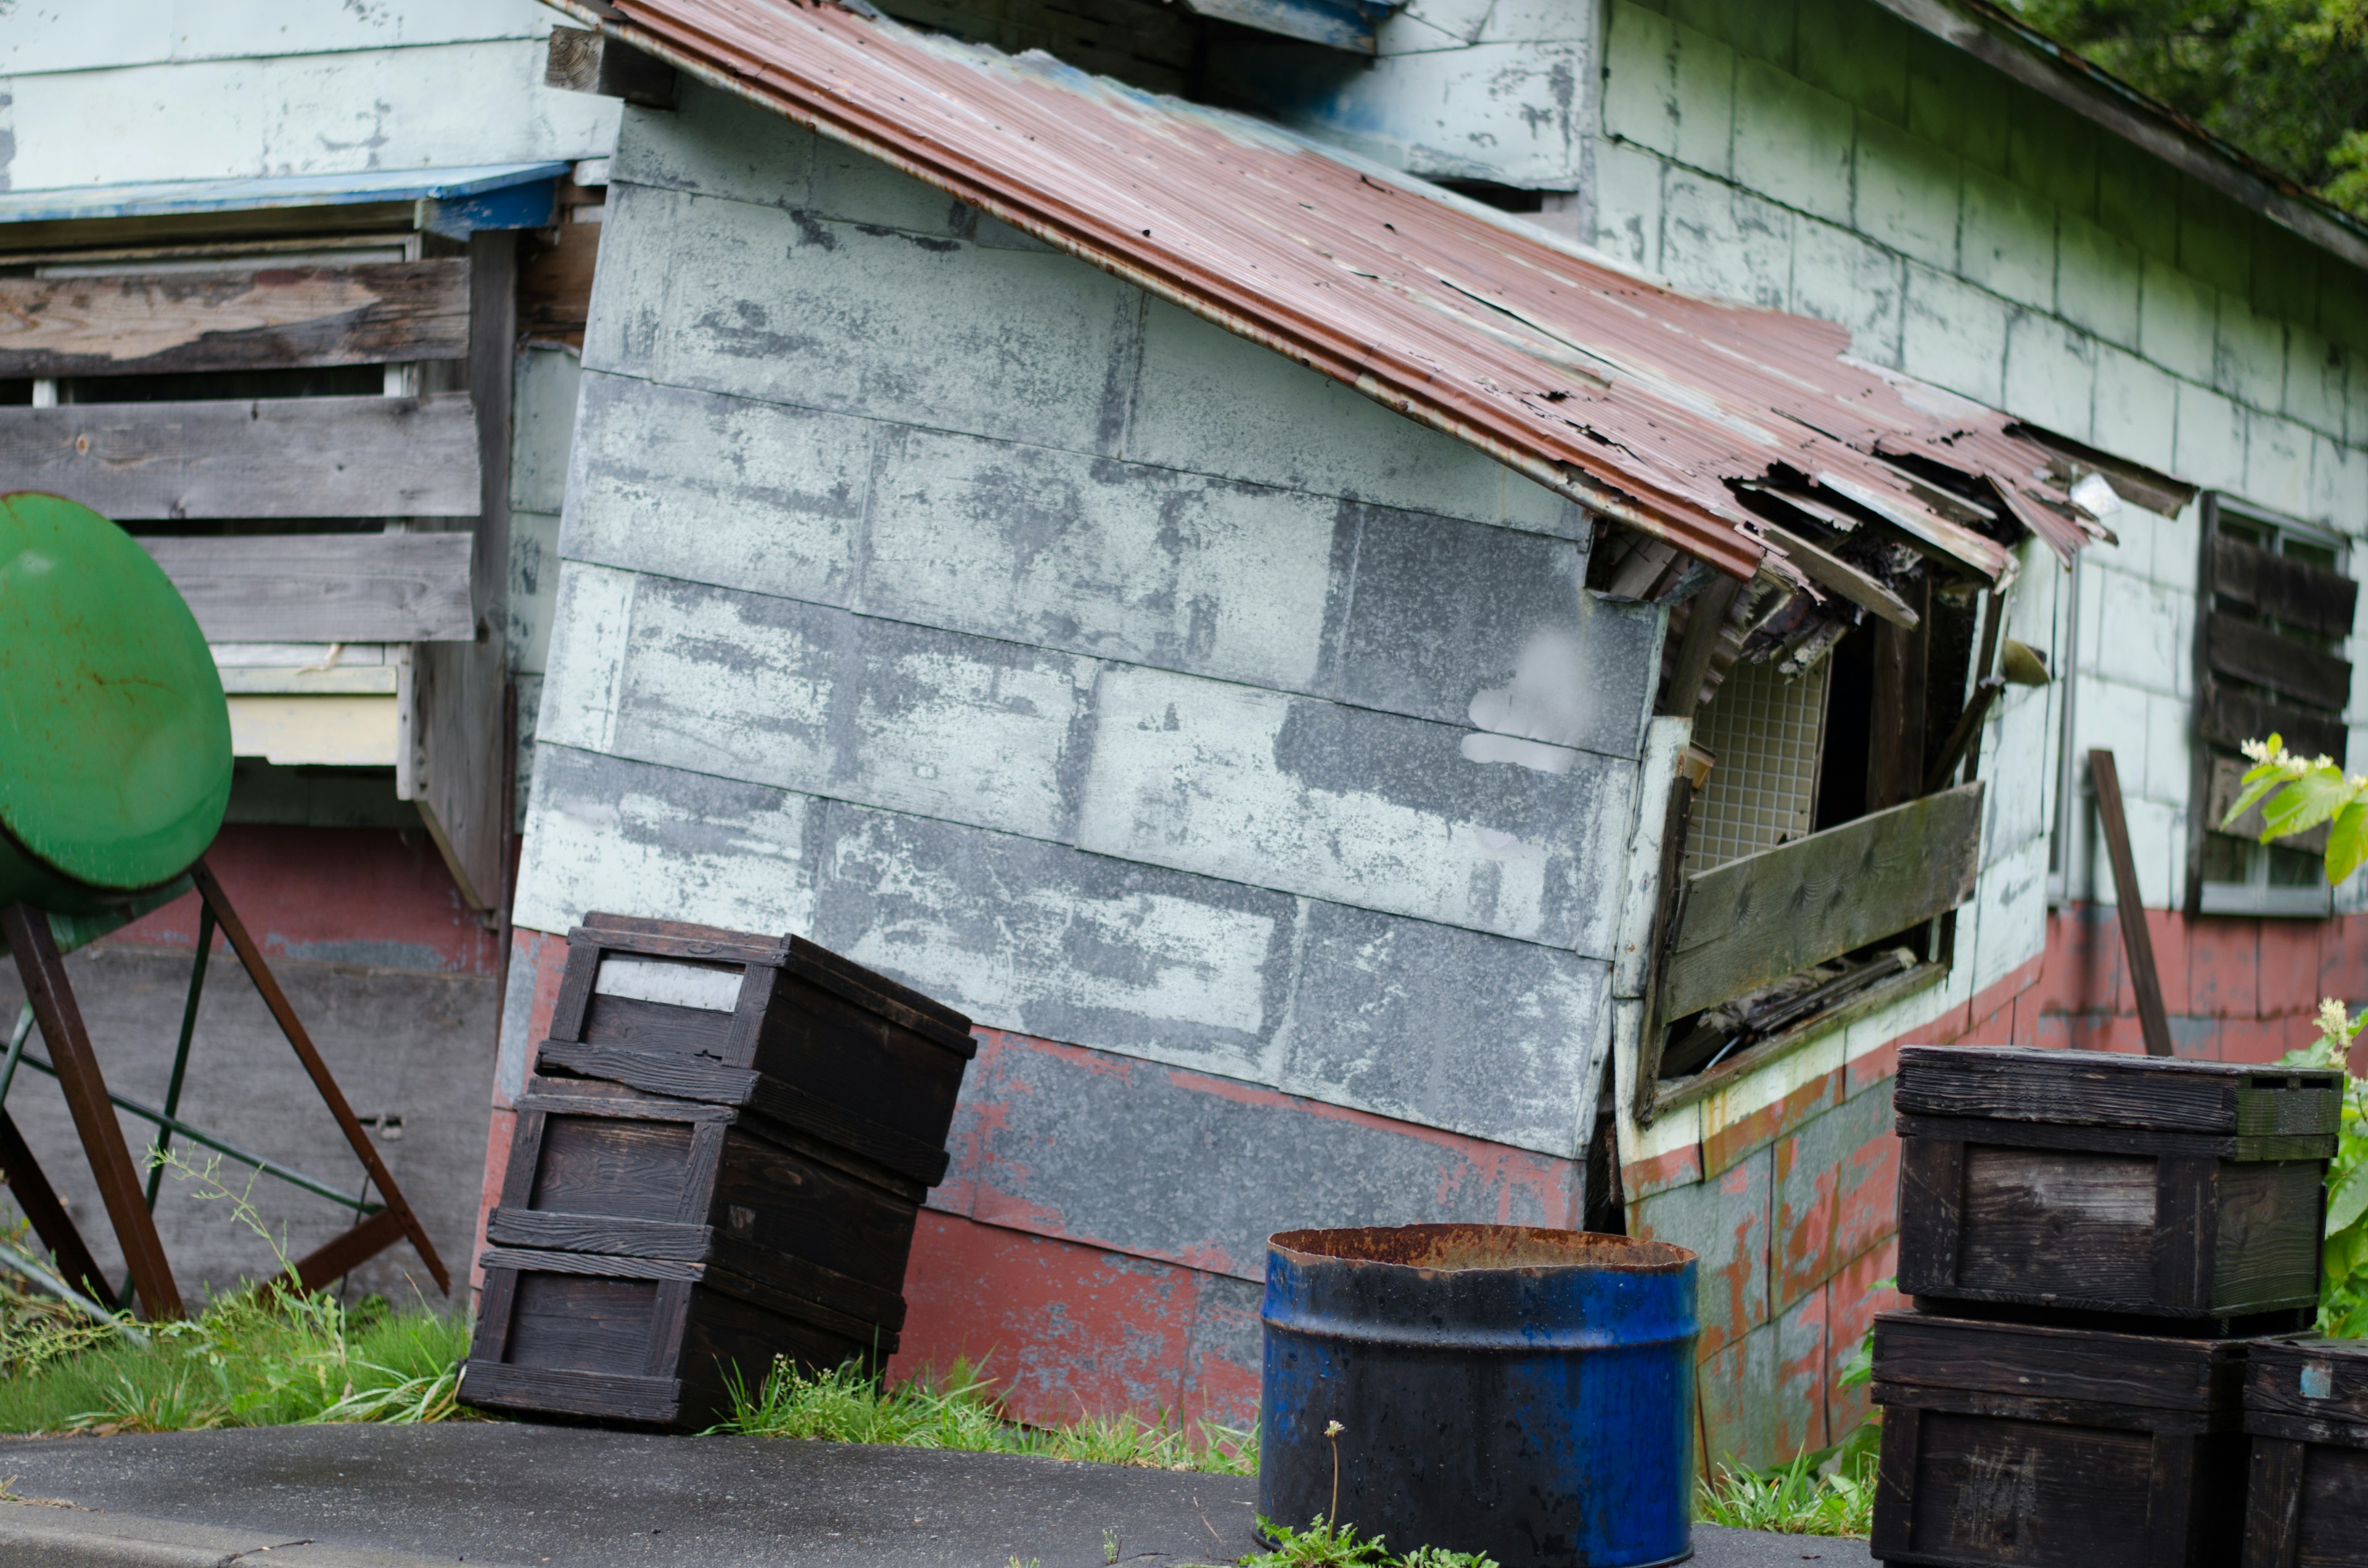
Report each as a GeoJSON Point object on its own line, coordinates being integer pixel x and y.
{"type": "Point", "coordinates": [2052, 1447]}
{"type": "Point", "coordinates": [237, 319]}
{"type": "Point", "coordinates": [294, 457]}
{"type": "Point", "coordinates": [1771, 915]}
{"type": "Point", "coordinates": [621, 1397]}
{"type": "Point", "coordinates": [2240, 1147]}
{"type": "Point", "coordinates": [356, 587]}
{"type": "Point", "coordinates": [607, 1234]}
{"type": "Point", "coordinates": [2090, 1089]}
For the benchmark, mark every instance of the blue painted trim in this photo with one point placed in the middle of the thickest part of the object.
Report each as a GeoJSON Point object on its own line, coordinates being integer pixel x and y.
{"type": "Point", "coordinates": [492, 189]}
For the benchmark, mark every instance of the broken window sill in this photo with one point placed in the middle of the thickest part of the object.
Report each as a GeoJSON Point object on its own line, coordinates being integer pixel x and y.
{"type": "Point", "coordinates": [1677, 1091]}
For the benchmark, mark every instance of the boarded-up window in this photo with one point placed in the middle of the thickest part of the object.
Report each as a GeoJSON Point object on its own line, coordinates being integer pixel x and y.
{"type": "Point", "coordinates": [2277, 602]}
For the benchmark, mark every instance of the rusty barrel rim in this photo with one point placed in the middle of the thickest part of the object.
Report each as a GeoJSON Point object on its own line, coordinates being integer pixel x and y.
{"type": "Point", "coordinates": [1511, 1289]}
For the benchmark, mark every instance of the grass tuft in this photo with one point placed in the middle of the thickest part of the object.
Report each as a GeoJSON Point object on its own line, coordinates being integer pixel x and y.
{"type": "Point", "coordinates": [959, 1410]}
{"type": "Point", "coordinates": [1828, 1492]}
{"type": "Point", "coordinates": [258, 1357]}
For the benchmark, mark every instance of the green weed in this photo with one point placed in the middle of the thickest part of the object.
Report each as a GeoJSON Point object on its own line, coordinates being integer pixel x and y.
{"type": "Point", "coordinates": [258, 1357]}
{"type": "Point", "coordinates": [1322, 1545]}
{"type": "Point", "coordinates": [958, 1409]}
{"type": "Point", "coordinates": [1825, 1491]}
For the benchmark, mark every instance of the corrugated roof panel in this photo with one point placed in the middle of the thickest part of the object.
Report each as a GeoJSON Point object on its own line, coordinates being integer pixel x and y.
{"type": "Point", "coordinates": [1639, 401]}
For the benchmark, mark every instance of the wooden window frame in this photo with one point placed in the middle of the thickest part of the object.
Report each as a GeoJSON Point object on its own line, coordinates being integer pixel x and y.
{"type": "Point", "coordinates": [1917, 843]}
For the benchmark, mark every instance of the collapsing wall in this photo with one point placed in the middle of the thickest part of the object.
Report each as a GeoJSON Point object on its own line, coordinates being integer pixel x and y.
{"type": "Point", "coordinates": [1253, 761]}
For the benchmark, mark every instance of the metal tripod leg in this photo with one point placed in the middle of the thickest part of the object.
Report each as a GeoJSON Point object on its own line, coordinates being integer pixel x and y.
{"type": "Point", "coordinates": [27, 930]}
{"type": "Point", "coordinates": [163, 1139]}
{"type": "Point", "coordinates": [396, 1219]}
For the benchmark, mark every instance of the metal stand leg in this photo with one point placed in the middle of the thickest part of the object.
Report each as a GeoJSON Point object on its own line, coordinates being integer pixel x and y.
{"type": "Point", "coordinates": [396, 1219]}
{"type": "Point", "coordinates": [27, 930]}
{"type": "Point", "coordinates": [163, 1139]}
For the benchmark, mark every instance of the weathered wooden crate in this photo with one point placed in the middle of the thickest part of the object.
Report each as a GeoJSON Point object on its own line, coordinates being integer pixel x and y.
{"type": "Point", "coordinates": [2186, 1194]}
{"type": "Point", "coordinates": [703, 1176]}
{"type": "Point", "coordinates": [2307, 1409]}
{"type": "Point", "coordinates": [2052, 1447]}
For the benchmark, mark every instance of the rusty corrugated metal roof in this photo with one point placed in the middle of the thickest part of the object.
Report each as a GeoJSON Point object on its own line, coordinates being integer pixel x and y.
{"type": "Point", "coordinates": [1642, 403]}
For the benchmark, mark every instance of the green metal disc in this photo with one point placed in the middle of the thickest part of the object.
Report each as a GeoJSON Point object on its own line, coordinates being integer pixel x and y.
{"type": "Point", "coordinates": [115, 757]}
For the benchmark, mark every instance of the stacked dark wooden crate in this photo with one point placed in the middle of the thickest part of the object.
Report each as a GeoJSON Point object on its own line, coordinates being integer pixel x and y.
{"type": "Point", "coordinates": [2093, 1245]}
{"type": "Point", "coordinates": [719, 1159]}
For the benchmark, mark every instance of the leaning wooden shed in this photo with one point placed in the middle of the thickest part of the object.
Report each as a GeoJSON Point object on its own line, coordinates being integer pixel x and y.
{"type": "Point", "coordinates": [1230, 617]}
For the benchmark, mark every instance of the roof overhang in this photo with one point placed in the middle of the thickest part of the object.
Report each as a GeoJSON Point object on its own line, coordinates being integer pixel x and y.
{"type": "Point", "coordinates": [455, 201]}
{"type": "Point", "coordinates": [2001, 39]}
{"type": "Point", "coordinates": [1671, 413]}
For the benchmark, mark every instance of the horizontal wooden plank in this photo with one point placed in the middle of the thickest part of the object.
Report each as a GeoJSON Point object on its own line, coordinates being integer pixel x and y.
{"type": "Point", "coordinates": [2291, 591]}
{"type": "Point", "coordinates": [2231, 717]}
{"type": "Point", "coordinates": [2093, 1089]}
{"type": "Point", "coordinates": [294, 457]}
{"type": "Point", "coordinates": [602, 1266]}
{"type": "Point", "coordinates": [1766, 915]}
{"type": "Point", "coordinates": [2117, 1140]}
{"type": "Point", "coordinates": [2029, 1361]}
{"type": "Point", "coordinates": [245, 319]}
{"type": "Point", "coordinates": [690, 1078]}
{"type": "Point", "coordinates": [598, 1233]}
{"type": "Point", "coordinates": [361, 587]}
{"type": "Point", "coordinates": [2251, 652]}
{"type": "Point", "coordinates": [577, 1394]}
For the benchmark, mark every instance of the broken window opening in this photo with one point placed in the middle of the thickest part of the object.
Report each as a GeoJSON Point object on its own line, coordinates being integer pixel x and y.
{"type": "Point", "coordinates": [1822, 734]}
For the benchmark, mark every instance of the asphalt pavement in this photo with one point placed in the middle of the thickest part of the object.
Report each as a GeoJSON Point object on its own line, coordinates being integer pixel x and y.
{"type": "Point", "coordinates": [521, 1496]}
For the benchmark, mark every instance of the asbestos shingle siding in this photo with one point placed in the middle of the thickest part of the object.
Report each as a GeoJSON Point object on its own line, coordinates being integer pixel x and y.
{"type": "Point", "coordinates": [953, 603]}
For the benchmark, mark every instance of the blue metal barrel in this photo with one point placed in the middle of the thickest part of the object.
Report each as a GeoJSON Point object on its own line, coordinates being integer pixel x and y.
{"type": "Point", "coordinates": [1503, 1389]}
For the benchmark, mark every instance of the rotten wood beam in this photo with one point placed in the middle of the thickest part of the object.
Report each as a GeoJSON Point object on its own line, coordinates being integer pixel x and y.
{"type": "Point", "coordinates": [2153, 1022]}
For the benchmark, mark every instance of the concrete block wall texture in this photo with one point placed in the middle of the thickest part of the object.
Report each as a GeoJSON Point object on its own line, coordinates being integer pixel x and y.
{"type": "Point", "coordinates": [1828, 156]}
{"type": "Point", "coordinates": [129, 90]}
{"type": "Point", "coordinates": [1251, 762]}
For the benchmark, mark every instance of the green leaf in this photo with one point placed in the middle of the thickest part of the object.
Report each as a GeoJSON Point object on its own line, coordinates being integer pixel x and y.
{"type": "Point", "coordinates": [2345, 1203]}
{"type": "Point", "coordinates": [2347, 843]}
{"type": "Point", "coordinates": [2306, 803]}
{"type": "Point", "coordinates": [2258, 783]}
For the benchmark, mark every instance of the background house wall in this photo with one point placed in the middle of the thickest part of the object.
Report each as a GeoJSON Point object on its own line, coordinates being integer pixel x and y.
{"type": "Point", "coordinates": [1828, 158]}
{"type": "Point", "coordinates": [340, 882]}
{"type": "Point", "coordinates": [1825, 157]}
{"type": "Point", "coordinates": [1250, 762]}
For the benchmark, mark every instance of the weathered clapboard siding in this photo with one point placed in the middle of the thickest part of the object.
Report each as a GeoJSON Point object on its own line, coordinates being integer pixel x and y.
{"type": "Point", "coordinates": [1339, 803]}
{"type": "Point", "coordinates": [265, 318]}
{"type": "Point", "coordinates": [64, 38]}
{"type": "Point", "coordinates": [1378, 606]}
{"type": "Point", "coordinates": [363, 587]}
{"type": "Point", "coordinates": [445, 105]}
{"type": "Point", "coordinates": [1308, 997]}
{"type": "Point", "coordinates": [1202, 402]}
{"type": "Point", "coordinates": [299, 457]}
